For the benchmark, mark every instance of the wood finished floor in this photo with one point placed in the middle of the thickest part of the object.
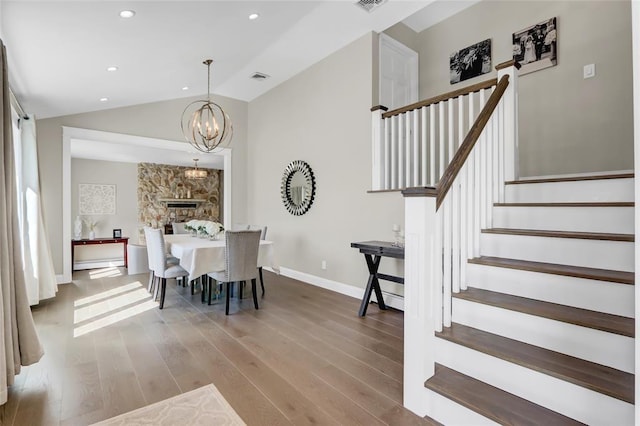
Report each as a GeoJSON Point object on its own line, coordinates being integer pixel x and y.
{"type": "Point", "coordinates": [304, 358]}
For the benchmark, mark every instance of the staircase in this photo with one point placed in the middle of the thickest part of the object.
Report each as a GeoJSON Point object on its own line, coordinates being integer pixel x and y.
{"type": "Point", "coordinates": [542, 331]}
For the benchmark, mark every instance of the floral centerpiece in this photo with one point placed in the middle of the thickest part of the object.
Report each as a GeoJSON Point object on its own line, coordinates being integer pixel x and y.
{"type": "Point", "coordinates": [204, 228]}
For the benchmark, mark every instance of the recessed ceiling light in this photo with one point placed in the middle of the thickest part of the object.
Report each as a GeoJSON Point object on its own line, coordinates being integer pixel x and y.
{"type": "Point", "coordinates": [185, 88]}
{"type": "Point", "coordinates": [254, 16]}
{"type": "Point", "coordinates": [127, 14]}
{"type": "Point", "coordinates": [112, 68]}
{"type": "Point", "coordinates": [104, 99]}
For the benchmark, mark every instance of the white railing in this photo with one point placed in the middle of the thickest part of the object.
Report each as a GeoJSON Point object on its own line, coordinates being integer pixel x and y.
{"type": "Point", "coordinates": [413, 145]}
{"type": "Point", "coordinates": [443, 224]}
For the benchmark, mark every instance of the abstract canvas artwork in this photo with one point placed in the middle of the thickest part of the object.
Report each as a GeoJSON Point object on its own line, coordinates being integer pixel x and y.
{"type": "Point", "coordinates": [97, 199]}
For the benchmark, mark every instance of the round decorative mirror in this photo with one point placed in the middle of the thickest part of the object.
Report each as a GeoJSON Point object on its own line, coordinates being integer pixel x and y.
{"type": "Point", "coordinates": [298, 187]}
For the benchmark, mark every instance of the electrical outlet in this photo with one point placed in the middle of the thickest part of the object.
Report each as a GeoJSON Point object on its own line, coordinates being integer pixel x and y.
{"type": "Point", "coordinates": [324, 265]}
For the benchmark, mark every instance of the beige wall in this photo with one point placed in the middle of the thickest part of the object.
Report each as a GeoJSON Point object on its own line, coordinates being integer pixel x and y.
{"type": "Point", "coordinates": [321, 116]}
{"type": "Point", "coordinates": [157, 120]}
{"type": "Point", "coordinates": [125, 177]}
{"type": "Point", "coordinates": [567, 124]}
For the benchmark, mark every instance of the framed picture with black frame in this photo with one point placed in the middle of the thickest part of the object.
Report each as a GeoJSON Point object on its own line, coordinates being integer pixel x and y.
{"type": "Point", "coordinates": [117, 233]}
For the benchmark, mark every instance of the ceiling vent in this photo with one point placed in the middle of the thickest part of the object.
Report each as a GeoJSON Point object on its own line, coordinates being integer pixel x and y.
{"type": "Point", "coordinates": [370, 5]}
{"type": "Point", "coordinates": [259, 76]}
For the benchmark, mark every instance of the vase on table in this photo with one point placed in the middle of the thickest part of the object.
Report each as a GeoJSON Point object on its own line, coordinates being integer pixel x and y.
{"type": "Point", "coordinates": [77, 229]}
{"type": "Point", "coordinates": [92, 235]}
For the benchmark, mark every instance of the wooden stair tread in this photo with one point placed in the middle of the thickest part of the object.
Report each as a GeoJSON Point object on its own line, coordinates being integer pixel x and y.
{"type": "Point", "coordinates": [570, 204]}
{"type": "Point", "coordinates": [620, 277]}
{"type": "Point", "coordinates": [491, 402]}
{"type": "Point", "coordinates": [583, 317]}
{"type": "Point", "coordinates": [600, 378]}
{"type": "Point", "coordinates": [572, 179]}
{"type": "Point", "coordinates": [562, 234]}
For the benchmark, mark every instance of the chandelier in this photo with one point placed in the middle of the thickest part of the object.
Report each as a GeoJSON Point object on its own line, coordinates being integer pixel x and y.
{"type": "Point", "coordinates": [195, 173]}
{"type": "Point", "coordinates": [205, 125]}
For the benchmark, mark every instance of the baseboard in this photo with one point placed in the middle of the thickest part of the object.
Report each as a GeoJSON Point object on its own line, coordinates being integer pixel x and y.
{"type": "Point", "coordinates": [92, 264]}
{"type": "Point", "coordinates": [393, 300]}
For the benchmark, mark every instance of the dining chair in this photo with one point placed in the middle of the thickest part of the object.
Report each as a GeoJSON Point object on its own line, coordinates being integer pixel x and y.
{"type": "Point", "coordinates": [241, 258]}
{"type": "Point", "coordinates": [263, 236]}
{"type": "Point", "coordinates": [171, 260]}
{"type": "Point", "coordinates": [178, 228]}
{"type": "Point", "coordinates": [162, 269]}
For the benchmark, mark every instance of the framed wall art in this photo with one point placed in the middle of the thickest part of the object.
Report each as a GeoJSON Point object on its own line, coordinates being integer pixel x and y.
{"type": "Point", "coordinates": [536, 47]}
{"type": "Point", "coordinates": [96, 199]}
{"type": "Point", "coordinates": [470, 62]}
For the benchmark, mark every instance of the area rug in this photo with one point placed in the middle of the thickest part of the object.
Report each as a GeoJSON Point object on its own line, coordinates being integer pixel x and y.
{"type": "Point", "coordinates": [202, 406]}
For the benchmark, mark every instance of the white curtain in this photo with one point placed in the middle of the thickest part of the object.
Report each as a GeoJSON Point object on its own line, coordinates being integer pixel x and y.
{"type": "Point", "coordinates": [36, 256]}
{"type": "Point", "coordinates": [19, 343]}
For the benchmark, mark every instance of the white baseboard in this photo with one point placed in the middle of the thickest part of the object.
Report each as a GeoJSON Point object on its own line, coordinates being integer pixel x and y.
{"type": "Point", "coordinates": [92, 264]}
{"type": "Point", "coordinates": [61, 280]}
{"type": "Point", "coordinates": [393, 300]}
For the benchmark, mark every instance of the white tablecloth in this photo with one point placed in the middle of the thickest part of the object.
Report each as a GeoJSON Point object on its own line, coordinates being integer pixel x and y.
{"type": "Point", "coordinates": [200, 256]}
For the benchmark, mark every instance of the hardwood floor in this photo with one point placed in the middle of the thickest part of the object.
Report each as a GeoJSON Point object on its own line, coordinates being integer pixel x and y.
{"type": "Point", "coordinates": [304, 358]}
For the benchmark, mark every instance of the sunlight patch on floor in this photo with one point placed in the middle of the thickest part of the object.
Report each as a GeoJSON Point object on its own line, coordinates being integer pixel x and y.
{"type": "Point", "coordinates": [114, 318]}
{"type": "Point", "coordinates": [105, 273]}
{"type": "Point", "coordinates": [107, 294]}
{"type": "Point", "coordinates": [108, 305]}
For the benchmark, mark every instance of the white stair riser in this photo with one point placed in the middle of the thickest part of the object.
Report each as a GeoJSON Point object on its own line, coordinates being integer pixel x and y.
{"type": "Point", "coordinates": [616, 255]}
{"type": "Point", "coordinates": [602, 296]}
{"type": "Point", "coordinates": [611, 190]}
{"type": "Point", "coordinates": [563, 397]}
{"type": "Point", "coordinates": [449, 412]}
{"type": "Point", "coordinates": [586, 219]}
{"type": "Point", "coordinates": [581, 342]}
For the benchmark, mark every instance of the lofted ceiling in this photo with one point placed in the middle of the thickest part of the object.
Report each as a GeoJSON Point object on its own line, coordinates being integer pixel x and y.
{"type": "Point", "coordinates": [59, 51]}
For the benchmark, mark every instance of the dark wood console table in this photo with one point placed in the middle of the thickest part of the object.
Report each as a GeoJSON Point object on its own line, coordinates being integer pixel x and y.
{"type": "Point", "coordinates": [124, 241]}
{"type": "Point", "coordinates": [373, 251]}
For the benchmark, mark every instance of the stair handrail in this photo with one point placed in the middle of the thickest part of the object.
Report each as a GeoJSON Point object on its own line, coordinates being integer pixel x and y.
{"type": "Point", "coordinates": [440, 98]}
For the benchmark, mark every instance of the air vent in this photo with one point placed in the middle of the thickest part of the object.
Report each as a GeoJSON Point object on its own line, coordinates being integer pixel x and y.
{"type": "Point", "coordinates": [370, 5]}
{"type": "Point", "coordinates": [259, 76]}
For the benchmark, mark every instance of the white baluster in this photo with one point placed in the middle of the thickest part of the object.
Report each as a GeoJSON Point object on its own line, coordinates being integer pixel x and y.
{"type": "Point", "coordinates": [438, 278]}
{"type": "Point", "coordinates": [432, 145]}
{"type": "Point", "coordinates": [464, 231]}
{"type": "Point", "coordinates": [387, 154]}
{"type": "Point", "coordinates": [446, 257]}
{"type": "Point", "coordinates": [471, 234]}
{"type": "Point", "coordinates": [416, 148]}
{"type": "Point", "coordinates": [450, 135]}
{"type": "Point", "coordinates": [455, 235]}
{"type": "Point", "coordinates": [394, 152]}
{"type": "Point", "coordinates": [482, 155]}
{"type": "Point", "coordinates": [441, 145]}
{"type": "Point", "coordinates": [501, 153]}
{"type": "Point", "coordinates": [408, 142]}
{"type": "Point", "coordinates": [401, 142]}
{"type": "Point", "coordinates": [423, 128]}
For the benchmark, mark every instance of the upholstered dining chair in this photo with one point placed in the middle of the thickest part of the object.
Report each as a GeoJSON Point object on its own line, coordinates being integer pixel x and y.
{"type": "Point", "coordinates": [162, 269]}
{"type": "Point", "coordinates": [241, 251]}
{"type": "Point", "coordinates": [263, 236]}
{"type": "Point", "coordinates": [178, 228]}
{"type": "Point", "coordinates": [170, 261]}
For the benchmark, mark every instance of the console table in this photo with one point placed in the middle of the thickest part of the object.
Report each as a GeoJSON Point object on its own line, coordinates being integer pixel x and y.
{"type": "Point", "coordinates": [124, 241]}
{"type": "Point", "coordinates": [374, 251]}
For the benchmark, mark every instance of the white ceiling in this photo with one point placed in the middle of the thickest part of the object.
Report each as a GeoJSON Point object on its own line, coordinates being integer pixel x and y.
{"type": "Point", "coordinates": [58, 51]}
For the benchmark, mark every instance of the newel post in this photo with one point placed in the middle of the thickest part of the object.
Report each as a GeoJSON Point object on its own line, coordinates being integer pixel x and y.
{"type": "Point", "coordinates": [420, 290]}
{"type": "Point", "coordinates": [377, 147]}
{"type": "Point", "coordinates": [510, 102]}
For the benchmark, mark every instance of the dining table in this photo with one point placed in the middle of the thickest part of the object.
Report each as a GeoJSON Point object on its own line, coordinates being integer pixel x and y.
{"type": "Point", "coordinates": [199, 256]}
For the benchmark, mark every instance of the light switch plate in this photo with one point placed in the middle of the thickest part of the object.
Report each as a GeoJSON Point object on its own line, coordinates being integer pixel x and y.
{"type": "Point", "coordinates": [589, 71]}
